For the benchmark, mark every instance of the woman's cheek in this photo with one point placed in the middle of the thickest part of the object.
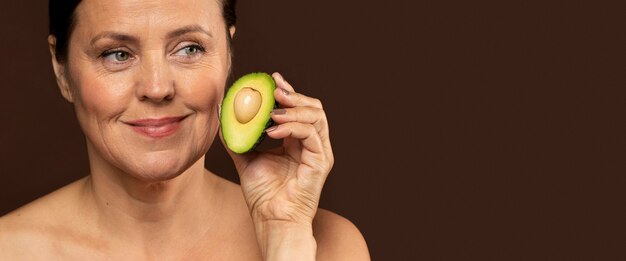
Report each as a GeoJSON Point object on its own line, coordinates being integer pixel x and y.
{"type": "Point", "coordinates": [202, 91]}
{"type": "Point", "coordinates": [106, 100]}
{"type": "Point", "coordinates": [103, 95]}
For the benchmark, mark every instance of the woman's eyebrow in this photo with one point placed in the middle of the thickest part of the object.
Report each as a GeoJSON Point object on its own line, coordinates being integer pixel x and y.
{"type": "Point", "coordinates": [194, 28]}
{"type": "Point", "coordinates": [132, 39]}
{"type": "Point", "coordinates": [114, 35]}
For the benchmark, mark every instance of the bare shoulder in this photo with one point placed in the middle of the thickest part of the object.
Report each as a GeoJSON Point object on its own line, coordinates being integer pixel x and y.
{"type": "Point", "coordinates": [17, 236]}
{"type": "Point", "coordinates": [26, 233]}
{"type": "Point", "coordinates": [338, 238]}
{"type": "Point", "coordinates": [20, 242]}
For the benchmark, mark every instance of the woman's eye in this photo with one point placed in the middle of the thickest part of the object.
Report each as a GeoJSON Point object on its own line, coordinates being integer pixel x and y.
{"type": "Point", "coordinates": [117, 56]}
{"type": "Point", "coordinates": [190, 50]}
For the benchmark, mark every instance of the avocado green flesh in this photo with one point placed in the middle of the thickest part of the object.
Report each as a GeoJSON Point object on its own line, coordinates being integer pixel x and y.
{"type": "Point", "coordinates": [242, 137]}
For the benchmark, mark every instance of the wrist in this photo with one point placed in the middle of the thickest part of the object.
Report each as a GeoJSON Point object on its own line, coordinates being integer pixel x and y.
{"type": "Point", "coordinates": [283, 240]}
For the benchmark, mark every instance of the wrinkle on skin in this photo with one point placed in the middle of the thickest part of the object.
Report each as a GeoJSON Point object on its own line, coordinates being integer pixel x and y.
{"type": "Point", "coordinates": [148, 183]}
{"type": "Point", "coordinates": [154, 65]}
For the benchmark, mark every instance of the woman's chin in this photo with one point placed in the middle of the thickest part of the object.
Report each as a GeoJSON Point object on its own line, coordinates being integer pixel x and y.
{"type": "Point", "coordinates": [157, 169]}
{"type": "Point", "coordinates": [151, 176]}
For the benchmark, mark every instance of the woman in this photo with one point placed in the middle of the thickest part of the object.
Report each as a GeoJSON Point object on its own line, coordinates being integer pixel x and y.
{"type": "Point", "coordinates": [146, 79]}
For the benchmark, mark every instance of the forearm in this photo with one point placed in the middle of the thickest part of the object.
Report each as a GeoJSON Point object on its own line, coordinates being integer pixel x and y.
{"type": "Point", "coordinates": [285, 241]}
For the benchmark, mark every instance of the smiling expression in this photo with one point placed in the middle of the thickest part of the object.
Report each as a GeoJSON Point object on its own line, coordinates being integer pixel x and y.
{"type": "Point", "coordinates": [145, 78]}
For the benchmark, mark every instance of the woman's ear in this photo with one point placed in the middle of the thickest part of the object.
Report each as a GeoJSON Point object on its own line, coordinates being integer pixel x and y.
{"type": "Point", "coordinates": [59, 70]}
{"type": "Point", "coordinates": [232, 30]}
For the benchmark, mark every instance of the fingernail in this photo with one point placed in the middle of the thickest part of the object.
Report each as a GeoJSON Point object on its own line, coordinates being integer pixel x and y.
{"type": "Point", "coordinates": [285, 92]}
{"type": "Point", "coordinates": [270, 129]}
{"type": "Point", "coordinates": [279, 112]}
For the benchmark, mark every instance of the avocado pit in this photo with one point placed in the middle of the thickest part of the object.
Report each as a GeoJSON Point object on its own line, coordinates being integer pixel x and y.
{"type": "Point", "coordinates": [247, 104]}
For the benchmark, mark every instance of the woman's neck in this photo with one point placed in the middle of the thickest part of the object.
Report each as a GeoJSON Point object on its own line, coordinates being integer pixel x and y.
{"type": "Point", "coordinates": [152, 215]}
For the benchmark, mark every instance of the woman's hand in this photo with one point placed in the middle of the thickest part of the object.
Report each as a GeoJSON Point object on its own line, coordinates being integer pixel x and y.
{"type": "Point", "coordinates": [282, 186]}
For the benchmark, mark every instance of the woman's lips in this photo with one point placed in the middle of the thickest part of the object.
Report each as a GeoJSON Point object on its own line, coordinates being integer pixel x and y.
{"type": "Point", "coordinates": [156, 128]}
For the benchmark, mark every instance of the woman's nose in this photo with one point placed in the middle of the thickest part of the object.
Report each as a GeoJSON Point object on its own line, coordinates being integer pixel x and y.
{"type": "Point", "coordinates": [155, 82]}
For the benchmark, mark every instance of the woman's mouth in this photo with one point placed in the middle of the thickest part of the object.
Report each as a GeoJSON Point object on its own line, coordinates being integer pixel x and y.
{"type": "Point", "coordinates": [156, 127]}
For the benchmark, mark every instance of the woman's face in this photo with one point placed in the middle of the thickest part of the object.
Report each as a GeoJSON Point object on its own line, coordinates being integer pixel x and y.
{"type": "Point", "coordinates": [146, 77]}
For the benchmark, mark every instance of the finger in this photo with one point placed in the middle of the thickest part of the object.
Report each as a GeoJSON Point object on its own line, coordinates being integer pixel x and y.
{"type": "Point", "coordinates": [304, 145]}
{"type": "Point", "coordinates": [294, 99]}
{"type": "Point", "coordinates": [287, 97]}
{"type": "Point", "coordinates": [309, 151]}
{"type": "Point", "coordinates": [309, 115]}
{"type": "Point", "coordinates": [281, 82]}
{"type": "Point", "coordinates": [305, 133]}
{"type": "Point", "coordinates": [313, 116]}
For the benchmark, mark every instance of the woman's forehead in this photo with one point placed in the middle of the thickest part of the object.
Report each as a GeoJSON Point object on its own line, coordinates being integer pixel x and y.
{"type": "Point", "coordinates": [146, 16]}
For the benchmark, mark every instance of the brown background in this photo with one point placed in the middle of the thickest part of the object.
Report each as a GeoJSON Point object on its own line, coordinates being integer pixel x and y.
{"type": "Point", "coordinates": [463, 130]}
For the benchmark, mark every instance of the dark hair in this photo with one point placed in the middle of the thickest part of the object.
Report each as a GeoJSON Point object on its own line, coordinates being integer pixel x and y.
{"type": "Point", "coordinates": [62, 22]}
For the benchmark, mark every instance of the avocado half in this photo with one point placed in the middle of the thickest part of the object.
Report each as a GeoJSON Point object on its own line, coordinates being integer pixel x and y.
{"type": "Point", "coordinates": [243, 137]}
